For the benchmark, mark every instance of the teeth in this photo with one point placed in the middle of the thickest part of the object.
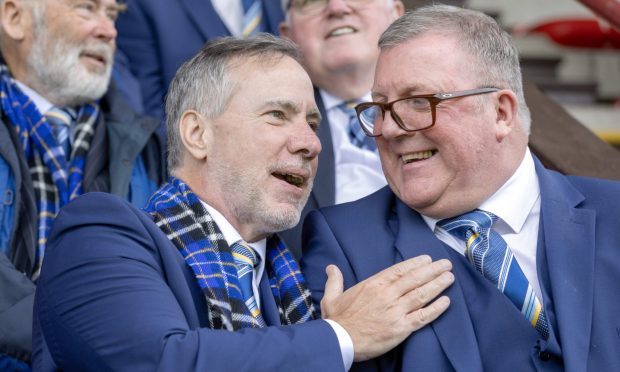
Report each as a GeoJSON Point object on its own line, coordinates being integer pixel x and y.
{"type": "Point", "coordinates": [342, 31]}
{"type": "Point", "coordinates": [420, 155]}
{"type": "Point", "coordinates": [294, 179]}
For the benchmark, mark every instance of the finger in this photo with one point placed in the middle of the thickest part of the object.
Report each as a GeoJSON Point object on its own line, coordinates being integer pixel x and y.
{"type": "Point", "coordinates": [396, 271]}
{"type": "Point", "coordinates": [334, 284]}
{"type": "Point", "coordinates": [421, 296]}
{"type": "Point", "coordinates": [421, 317]}
{"type": "Point", "coordinates": [420, 276]}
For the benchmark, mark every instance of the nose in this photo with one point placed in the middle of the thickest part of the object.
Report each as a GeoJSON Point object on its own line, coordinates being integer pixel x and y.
{"type": "Point", "coordinates": [390, 129]}
{"type": "Point", "coordinates": [338, 7]}
{"type": "Point", "coordinates": [105, 28]}
{"type": "Point", "coordinates": [303, 140]}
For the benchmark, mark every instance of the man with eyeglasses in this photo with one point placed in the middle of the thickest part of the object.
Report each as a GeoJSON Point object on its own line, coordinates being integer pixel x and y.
{"type": "Point", "coordinates": [535, 253]}
{"type": "Point", "coordinates": [338, 40]}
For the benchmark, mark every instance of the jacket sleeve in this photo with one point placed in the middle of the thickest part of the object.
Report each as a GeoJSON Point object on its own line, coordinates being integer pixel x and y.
{"type": "Point", "coordinates": [111, 296]}
{"type": "Point", "coordinates": [16, 298]}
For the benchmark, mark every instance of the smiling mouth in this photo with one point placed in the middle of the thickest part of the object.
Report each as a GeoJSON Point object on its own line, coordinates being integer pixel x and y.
{"type": "Point", "coordinates": [417, 156]}
{"type": "Point", "coordinates": [346, 30]}
{"type": "Point", "coordinates": [293, 179]}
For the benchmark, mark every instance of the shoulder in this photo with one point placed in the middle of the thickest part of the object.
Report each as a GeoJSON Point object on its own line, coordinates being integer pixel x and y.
{"type": "Point", "coordinates": [375, 205]}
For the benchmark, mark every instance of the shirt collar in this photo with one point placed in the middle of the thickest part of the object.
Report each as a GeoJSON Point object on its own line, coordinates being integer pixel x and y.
{"type": "Point", "coordinates": [231, 235]}
{"type": "Point", "coordinates": [513, 201]}
{"type": "Point", "coordinates": [330, 101]}
{"type": "Point", "coordinates": [42, 104]}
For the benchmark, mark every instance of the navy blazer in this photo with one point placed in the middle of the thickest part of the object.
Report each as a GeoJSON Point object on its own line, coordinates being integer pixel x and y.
{"type": "Point", "coordinates": [159, 35]}
{"type": "Point", "coordinates": [578, 259]}
{"type": "Point", "coordinates": [116, 294]}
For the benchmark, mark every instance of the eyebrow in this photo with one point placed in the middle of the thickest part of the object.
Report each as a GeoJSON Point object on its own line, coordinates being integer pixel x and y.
{"type": "Point", "coordinates": [292, 107]}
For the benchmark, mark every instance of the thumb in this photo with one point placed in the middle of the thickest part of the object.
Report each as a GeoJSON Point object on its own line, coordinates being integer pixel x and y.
{"type": "Point", "coordinates": [334, 284]}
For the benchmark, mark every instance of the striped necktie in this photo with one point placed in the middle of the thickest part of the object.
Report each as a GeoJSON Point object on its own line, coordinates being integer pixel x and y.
{"type": "Point", "coordinates": [354, 129]}
{"type": "Point", "coordinates": [246, 261]}
{"type": "Point", "coordinates": [253, 22]}
{"type": "Point", "coordinates": [60, 121]}
{"type": "Point", "coordinates": [491, 256]}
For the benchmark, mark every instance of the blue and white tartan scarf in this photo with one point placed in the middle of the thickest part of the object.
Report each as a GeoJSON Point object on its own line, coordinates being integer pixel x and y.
{"type": "Point", "coordinates": [55, 179]}
{"type": "Point", "coordinates": [178, 212]}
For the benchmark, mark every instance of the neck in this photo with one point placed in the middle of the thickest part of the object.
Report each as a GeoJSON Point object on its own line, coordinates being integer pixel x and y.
{"type": "Point", "coordinates": [346, 84]}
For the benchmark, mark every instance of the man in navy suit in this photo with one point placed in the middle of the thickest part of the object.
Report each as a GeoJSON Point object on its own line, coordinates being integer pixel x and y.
{"type": "Point", "coordinates": [158, 36]}
{"type": "Point", "coordinates": [535, 253]}
{"type": "Point", "coordinates": [338, 40]}
{"type": "Point", "coordinates": [122, 289]}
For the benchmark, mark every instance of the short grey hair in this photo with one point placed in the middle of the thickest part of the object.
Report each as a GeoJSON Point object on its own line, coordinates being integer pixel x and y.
{"type": "Point", "coordinates": [479, 35]}
{"type": "Point", "coordinates": [205, 84]}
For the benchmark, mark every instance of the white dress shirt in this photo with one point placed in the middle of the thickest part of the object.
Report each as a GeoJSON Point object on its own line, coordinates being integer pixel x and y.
{"type": "Point", "coordinates": [517, 204]}
{"type": "Point", "coordinates": [231, 13]}
{"type": "Point", "coordinates": [231, 235]}
{"type": "Point", "coordinates": [358, 171]}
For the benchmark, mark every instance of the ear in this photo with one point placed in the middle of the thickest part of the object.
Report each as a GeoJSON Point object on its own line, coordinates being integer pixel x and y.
{"type": "Point", "coordinates": [195, 135]}
{"type": "Point", "coordinates": [399, 9]}
{"type": "Point", "coordinates": [506, 114]}
{"type": "Point", "coordinates": [16, 18]}
{"type": "Point", "coordinates": [285, 29]}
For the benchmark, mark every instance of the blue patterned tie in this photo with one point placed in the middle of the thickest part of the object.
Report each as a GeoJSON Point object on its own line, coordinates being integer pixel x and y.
{"type": "Point", "coordinates": [491, 256]}
{"type": "Point", "coordinates": [253, 22]}
{"type": "Point", "coordinates": [356, 133]}
{"type": "Point", "coordinates": [246, 260]}
{"type": "Point", "coordinates": [60, 121]}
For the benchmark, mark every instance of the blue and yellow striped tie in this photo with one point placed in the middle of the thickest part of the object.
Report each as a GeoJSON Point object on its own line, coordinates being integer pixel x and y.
{"type": "Point", "coordinates": [253, 22]}
{"type": "Point", "coordinates": [60, 121]}
{"type": "Point", "coordinates": [491, 256]}
{"type": "Point", "coordinates": [246, 260]}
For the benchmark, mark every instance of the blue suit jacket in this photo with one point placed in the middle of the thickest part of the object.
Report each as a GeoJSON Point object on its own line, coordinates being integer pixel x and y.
{"type": "Point", "coordinates": [578, 260]}
{"type": "Point", "coordinates": [159, 35]}
{"type": "Point", "coordinates": [115, 294]}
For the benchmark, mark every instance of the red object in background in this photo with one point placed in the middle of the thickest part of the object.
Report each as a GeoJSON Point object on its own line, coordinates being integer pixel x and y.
{"type": "Point", "coordinates": [580, 33]}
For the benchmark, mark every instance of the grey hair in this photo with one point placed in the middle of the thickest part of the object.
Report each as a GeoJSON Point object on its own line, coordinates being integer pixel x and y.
{"type": "Point", "coordinates": [480, 36]}
{"type": "Point", "coordinates": [205, 83]}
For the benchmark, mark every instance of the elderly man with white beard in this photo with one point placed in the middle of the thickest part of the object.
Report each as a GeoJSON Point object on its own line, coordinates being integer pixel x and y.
{"type": "Point", "coordinates": [63, 132]}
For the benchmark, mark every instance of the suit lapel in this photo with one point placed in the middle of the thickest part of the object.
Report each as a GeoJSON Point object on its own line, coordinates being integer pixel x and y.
{"type": "Point", "coordinates": [268, 306]}
{"type": "Point", "coordinates": [324, 191]}
{"type": "Point", "coordinates": [205, 18]}
{"type": "Point", "coordinates": [569, 248]}
{"type": "Point", "coordinates": [454, 328]}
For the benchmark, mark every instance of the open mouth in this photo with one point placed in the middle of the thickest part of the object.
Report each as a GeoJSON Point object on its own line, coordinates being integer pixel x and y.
{"type": "Point", "coordinates": [290, 178]}
{"type": "Point", "coordinates": [417, 156]}
{"type": "Point", "coordinates": [100, 58]}
{"type": "Point", "coordinates": [346, 30]}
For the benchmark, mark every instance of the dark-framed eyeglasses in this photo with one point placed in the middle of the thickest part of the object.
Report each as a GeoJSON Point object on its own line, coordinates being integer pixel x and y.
{"type": "Point", "coordinates": [313, 7]}
{"type": "Point", "coordinates": [411, 113]}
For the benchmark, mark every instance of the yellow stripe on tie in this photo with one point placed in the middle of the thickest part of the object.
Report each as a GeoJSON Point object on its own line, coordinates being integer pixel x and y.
{"type": "Point", "coordinates": [536, 314]}
{"type": "Point", "coordinates": [251, 26]}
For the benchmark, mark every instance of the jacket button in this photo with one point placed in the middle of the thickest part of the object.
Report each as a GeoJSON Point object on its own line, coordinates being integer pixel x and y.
{"type": "Point", "coordinates": [544, 356]}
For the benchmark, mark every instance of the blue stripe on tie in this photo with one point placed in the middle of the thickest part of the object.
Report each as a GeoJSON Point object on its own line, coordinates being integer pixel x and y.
{"type": "Point", "coordinates": [492, 257]}
{"type": "Point", "coordinates": [246, 261]}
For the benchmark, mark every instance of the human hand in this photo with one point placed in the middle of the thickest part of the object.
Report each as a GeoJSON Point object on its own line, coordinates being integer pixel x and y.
{"type": "Point", "coordinates": [381, 311]}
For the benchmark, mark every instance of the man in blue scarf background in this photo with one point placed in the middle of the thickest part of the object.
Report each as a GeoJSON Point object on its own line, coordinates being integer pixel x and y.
{"type": "Point", "coordinates": [64, 131]}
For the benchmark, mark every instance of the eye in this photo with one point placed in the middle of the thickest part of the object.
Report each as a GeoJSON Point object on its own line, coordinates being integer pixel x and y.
{"type": "Point", "coordinates": [277, 115]}
{"type": "Point", "coordinates": [88, 6]}
{"type": "Point", "coordinates": [314, 125]}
